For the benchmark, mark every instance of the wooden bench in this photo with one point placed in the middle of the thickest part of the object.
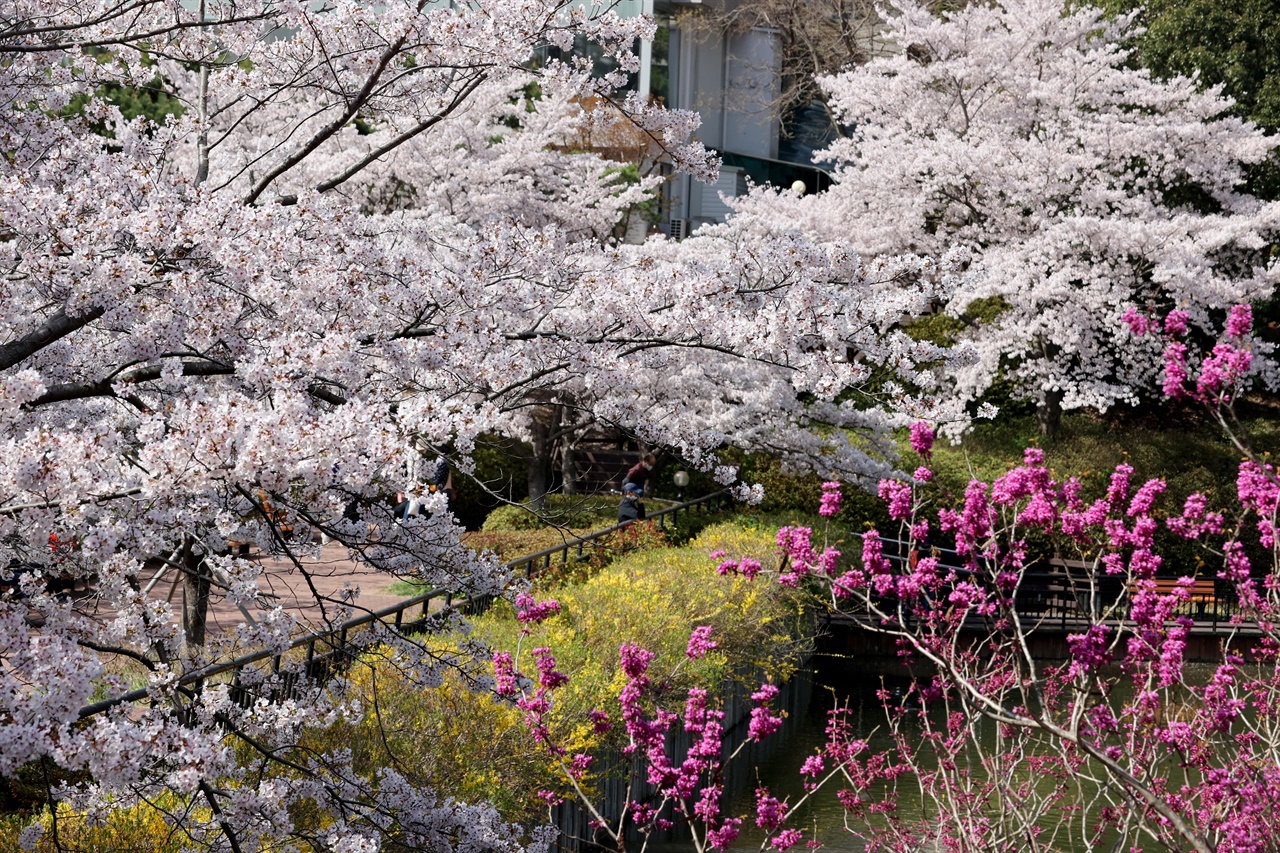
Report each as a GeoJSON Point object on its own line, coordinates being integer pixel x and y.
{"type": "Point", "coordinates": [1202, 592]}
{"type": "Point", "coordinates": [1095, 592]}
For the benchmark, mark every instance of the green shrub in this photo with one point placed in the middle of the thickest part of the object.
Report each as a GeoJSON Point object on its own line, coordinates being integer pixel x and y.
{"type": "Point", "coordinates": [501, 475]}
{"type": "Point", "coordinates": [579, 512]}
{"type": "Point", "coordinates": [449, 738]}
{"type": "Point", "coordinates": [655, 598]}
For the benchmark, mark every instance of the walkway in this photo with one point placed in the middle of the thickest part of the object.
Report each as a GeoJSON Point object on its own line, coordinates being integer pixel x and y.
{"type": "Point", "coordinates": [331, 572]}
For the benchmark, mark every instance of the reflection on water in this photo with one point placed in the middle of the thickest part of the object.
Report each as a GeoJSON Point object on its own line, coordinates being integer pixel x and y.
{"type": "Point", "coordinates": [821, 816]}
{"type": "Point", "coordinates": [775, 763]}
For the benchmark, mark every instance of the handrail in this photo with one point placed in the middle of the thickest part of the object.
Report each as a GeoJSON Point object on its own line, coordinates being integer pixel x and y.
{"type": "Point", "coordinates": [660, 515]}
{"type": "Point", "coordinates": [398, 610]}
{"type": "Point", "coordinates": [1061, 593]}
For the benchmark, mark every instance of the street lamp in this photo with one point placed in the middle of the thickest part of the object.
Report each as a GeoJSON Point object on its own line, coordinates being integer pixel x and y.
{"type": "Point", "coordinates": [681, 479]}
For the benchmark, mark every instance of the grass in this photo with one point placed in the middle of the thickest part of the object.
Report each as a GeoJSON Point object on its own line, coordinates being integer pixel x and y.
{"type": "Point", "coordinates": [1191, 455]}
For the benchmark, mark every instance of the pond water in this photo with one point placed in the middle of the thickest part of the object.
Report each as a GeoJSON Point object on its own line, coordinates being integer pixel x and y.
{"type": "Point", "coordinates": [777, 764]}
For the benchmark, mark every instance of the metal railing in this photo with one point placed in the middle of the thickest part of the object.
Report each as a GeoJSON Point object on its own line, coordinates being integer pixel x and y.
{"type": "Point", "coordinates": [1068, 595]}
{"type": "Point", "coordinates": [541, 561]}
{"type": "Point", "coordinates": [329, 650]}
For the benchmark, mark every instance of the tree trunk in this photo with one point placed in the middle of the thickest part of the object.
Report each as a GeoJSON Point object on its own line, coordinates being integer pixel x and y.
{"type": "Point", "coordinates": [195, 595]}
{"type": "Point", "coordinates": [545, 424]}
{"type": "Point", "coordinates": [569, 462]}
{"type": "Point", "coordinates": [1049, 412]}
{"type": "Point", "coordinates": [1049, 406]}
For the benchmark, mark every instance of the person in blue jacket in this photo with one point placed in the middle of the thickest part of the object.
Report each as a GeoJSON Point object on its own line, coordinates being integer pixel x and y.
{"type": "Point", "coordinates": [631, 509]}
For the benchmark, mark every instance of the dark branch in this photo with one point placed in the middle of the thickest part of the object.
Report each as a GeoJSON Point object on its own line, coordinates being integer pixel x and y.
{"type": "Point", "coordinates": [56, 327]}
{"type": "Point", "coordinates": [373, 156]}
{"type": "Point", "coordinates": [105, 387]}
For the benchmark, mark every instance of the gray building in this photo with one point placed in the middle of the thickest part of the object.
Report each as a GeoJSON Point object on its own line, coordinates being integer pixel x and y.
{"type": "Point", "coordinates": [732, 80]}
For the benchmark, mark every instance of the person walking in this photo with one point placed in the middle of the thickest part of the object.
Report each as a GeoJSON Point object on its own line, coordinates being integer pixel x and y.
{"type": "Point", "coordinates": [425, 477]}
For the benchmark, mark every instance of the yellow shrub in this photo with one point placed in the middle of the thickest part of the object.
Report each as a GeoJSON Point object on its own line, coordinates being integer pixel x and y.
{"type": "Point", "coordinates": [475, 747]}
{"type": "Point", "coordinates": [139, 829]}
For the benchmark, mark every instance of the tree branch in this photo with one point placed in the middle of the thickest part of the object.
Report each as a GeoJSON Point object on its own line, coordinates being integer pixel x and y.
{"type": "Point", "coordinates": [55, 328]}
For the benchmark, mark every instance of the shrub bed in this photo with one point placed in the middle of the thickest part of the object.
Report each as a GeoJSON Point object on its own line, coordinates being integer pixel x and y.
{"type": "Point", "coordinates": [476, 747]}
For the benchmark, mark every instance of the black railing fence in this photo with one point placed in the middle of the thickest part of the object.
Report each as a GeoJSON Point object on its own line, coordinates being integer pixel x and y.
{"type": "Point", "coordinates": [276, 675]}
{"type": "Point", "coordinates": [1068, 594]}
{"type": "Point", "coordinates": [532, 565]}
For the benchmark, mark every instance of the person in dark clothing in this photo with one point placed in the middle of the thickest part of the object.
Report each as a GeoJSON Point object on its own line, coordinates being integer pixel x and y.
{"type": "Point", "coordinates": [631, 509]}
{"type": "Point", "coordinates": [639, 472]}
{"type": "Point", "coordinates": [435, 477]}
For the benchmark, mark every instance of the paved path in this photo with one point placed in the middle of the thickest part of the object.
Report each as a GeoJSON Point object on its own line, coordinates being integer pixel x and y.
{"type": "Point", "coordinates": [330, 573]}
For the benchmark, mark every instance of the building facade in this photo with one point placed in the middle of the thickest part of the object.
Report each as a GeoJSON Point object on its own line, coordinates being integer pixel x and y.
{"type": "Point", "coordinates": [732, 80]}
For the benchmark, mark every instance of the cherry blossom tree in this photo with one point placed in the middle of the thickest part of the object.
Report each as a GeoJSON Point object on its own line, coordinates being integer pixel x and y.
{"type": "Point", "coordinates": [245, 323]}
{"type": "Point", "coordinates": [1084, 186]}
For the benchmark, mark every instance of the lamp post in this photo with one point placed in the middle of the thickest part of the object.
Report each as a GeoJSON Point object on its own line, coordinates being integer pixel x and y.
{"type": "Point", "coordinates": [681, 479]}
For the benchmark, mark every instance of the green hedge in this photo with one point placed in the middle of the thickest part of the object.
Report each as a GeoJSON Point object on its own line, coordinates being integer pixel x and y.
{"type": "Point", "coordinates": [579, 512]}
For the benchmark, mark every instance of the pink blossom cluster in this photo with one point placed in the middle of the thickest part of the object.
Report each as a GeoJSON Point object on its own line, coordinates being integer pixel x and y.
{"type": "Point", "coordinates": [763, 721]}
{"type": "Point", "coordinates": [529, 611]}
{"type": "Point", "coordinates": [1221, 374]}
{"type": "Point", "coordinates": [829, 506]}
{"type": "Point", "coordinates": [800, 556]}
{"type": "Point", "coordinates": [922, 438]}
{"type": "Point", "coordinates": [700, 643]}
{"type": "Point", "coordinates": [1126, 680]}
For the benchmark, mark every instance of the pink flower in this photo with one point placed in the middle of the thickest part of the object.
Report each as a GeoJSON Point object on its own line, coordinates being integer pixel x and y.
{"type": "Point", "coordinates": [1139, 324]}
{"type": "Point", "coordinates": [1222, 371]}
{"type": "Point", "coordinates": [548, 677]}
{"type": "Point", "coordinates": [1090, 649]}
{"type": "Point", "coordinates": [1146, 497]}
{"type": "Point", "coordinates": [898, 497]}
{"type": "Point", "coordinates": [1239, 320]}
{"type": "Point", "coordinates": [700, 643]}
{"type": "Point", "coordinates": [770, 812]}
{"type": "Point", "coordinates": [581, 761]}
{"type": "Point", "coordinates": [530, 611]}
{"type": "Point", "coordinates": [922, 437]}
{"type": "Point", "coordinates": [830, 505]}
{"type": "Point", "coordinates": [720, 839]}
{"type": "Point", "coordinates": [635, 660]}
{"type": "Point", "coordinates": [797, 545]}
{"type": "Point", "coordinates": [763, 723]}
{"type": "Point", "coordinates": [787, 839]}
{"type": "Point", "coordinates": [1175, 323]}
{"type": "Point", "coordinates": [504, 674]}
{"type": "Point", "coordinates": [599, 721]}
{"type": "Point", "coordinates": [1175, 371]}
